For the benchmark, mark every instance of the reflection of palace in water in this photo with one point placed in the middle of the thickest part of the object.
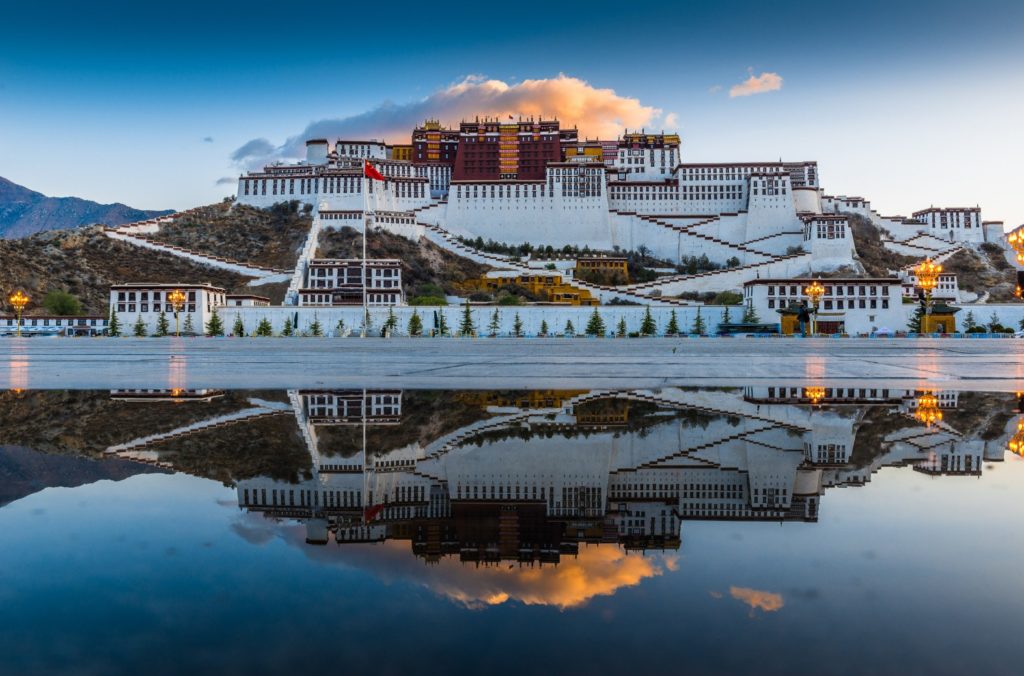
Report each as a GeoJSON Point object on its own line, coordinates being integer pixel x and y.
{"type": "Point", "coordinates": [532, 475]}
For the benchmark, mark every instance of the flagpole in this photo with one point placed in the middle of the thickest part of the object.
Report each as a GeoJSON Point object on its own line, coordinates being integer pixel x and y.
{"type": "Point", "coordinates": [366, 225]}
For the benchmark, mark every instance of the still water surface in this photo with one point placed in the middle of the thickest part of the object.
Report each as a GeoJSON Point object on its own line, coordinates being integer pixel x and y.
{"type": "Point", "coordinates": [767, 530]}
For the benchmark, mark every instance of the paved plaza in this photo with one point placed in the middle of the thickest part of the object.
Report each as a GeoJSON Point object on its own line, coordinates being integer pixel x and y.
{"type": "Point", "coordinates": [986, 364]}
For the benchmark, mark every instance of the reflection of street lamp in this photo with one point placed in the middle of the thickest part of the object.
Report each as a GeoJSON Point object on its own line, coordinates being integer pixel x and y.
{"type": "Point", "coordinates": [19, 301]}
{"type": "Point", "coordinates": [814, 292]}
{"type": "Point", "coordinates": [1016, 442]}
{"type": "Point", "coordinates": [815, 394]}
{"type": "Point", "coordinates": [928, 409]}
{"type": "Point", "coordinates": [927, 274]}
{"type": "Point", "coordinates": [177, 300]}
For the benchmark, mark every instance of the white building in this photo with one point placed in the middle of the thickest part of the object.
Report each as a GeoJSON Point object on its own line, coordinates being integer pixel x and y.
{"type": "Point", "coordinates": [848, 305]}
{"type": "Point", "coordinates": [333, 282]}
{"type": "Point", "coordinates": [148, 300]}
{"type": "Point", "coordinates": [954, 224]}
{"type": "Point", "coordinates": [246, 300]}
{"type": "Point", "coordinates": [54, 325]}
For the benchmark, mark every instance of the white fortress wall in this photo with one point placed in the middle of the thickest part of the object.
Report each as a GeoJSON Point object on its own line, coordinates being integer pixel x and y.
{"type": "Point", "coordinates": [733, 279]}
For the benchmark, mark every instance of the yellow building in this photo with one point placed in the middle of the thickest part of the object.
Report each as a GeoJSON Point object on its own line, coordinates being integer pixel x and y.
{"type": "Point", "coordinates": [612, 267]}
{"type": "Point", "coordinates": [550, 287]}
{"type": "Point", "coordinates": [587, 151]}
{"type": "Point", "coordinates": [402, 153]}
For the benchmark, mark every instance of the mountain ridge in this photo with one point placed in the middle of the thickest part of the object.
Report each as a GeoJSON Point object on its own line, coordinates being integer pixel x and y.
{"type": "Point", "coordinates": [24, 212]}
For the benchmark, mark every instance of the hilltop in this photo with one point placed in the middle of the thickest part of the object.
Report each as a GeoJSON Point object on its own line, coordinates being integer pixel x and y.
{"type": "Point", "coordinates": [25, 212]}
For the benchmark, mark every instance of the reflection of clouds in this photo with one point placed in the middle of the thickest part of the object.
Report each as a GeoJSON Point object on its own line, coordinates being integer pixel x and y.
{"type": "Point", "coordinates": [766, 601]}
{"type": "Point", "coordinates": [254, 529]}
{"type": "Point", "coordinates": [597, 571]}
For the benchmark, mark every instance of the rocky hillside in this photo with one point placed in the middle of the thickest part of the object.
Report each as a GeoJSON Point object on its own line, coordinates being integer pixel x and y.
{"type": "Point", "coordinates": [268, 237]}
{"type": "Point", "coordinates": [24, 212]}
{"type": "Point", "coordinates": [85, 262]}
{"type": "Point", "coordinates": [423, 263]}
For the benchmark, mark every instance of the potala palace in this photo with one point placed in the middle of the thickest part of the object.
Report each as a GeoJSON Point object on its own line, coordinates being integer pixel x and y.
{"type": "Point", "coordinates": [763, 226]}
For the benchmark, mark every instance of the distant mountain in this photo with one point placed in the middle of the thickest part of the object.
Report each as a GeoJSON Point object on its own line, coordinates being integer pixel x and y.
{"type": "Point", "coordinates": [25, 212]}
{"type": "Point", "coordinates": [24, 472]}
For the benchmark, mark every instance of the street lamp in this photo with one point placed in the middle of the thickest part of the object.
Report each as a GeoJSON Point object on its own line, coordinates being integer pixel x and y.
{"type": "Point", "coordinates": [814, 292]}
{"type": "Point", "coordinates": [19, 301]}
{"type": "Point", "coordinates": [1016, 242]}
{"type": "Point", "coordinates": [177, 300]}
{"type": "Point", "coordinates": [927, 274]}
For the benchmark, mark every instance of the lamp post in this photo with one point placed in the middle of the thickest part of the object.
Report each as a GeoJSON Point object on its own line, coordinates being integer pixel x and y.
{"type": "Point", "coordinates": [1016, 443]}
{"type": "Point", "coordinates": [814, 291]}
{"type": "Point", "coordinates": [927, 274]}
{"type": "Point", "coordinates": [19, 301]}
{"type": "Point", "coordinates": [1016, 242]}
{"type": "Point", "coordinates": [177, 301]}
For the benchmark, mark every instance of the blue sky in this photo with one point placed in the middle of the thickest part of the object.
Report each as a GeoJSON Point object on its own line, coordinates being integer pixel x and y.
{"type": "Point", "coordinates": [908, 104]}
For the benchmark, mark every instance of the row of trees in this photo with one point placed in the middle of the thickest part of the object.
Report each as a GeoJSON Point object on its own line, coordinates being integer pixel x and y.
{"type": "Point", "coordinates": [140, 329]}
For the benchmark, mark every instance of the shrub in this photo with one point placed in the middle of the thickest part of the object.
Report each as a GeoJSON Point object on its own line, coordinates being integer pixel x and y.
{"type": "Point", "coordinates": [727, 298]}
{"type": "Point", "coordinates": [428, 300]}
{"type": "Point", "coordinates": [62, 303]}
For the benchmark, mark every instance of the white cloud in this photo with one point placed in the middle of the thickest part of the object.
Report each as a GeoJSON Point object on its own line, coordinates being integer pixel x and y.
{"type": "Point", "coordinates": [757, 84]}
{"type": "Point", "coordinates": [714, 89]}
{"type": "Point", "coordinates": [671, 121]}
{"type": "Point", "coordinates": [596, 112]}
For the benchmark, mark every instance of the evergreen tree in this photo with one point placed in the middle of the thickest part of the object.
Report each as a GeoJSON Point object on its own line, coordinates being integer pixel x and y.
{"type": "Point", "coordinates": [517, 326]}
{"type": "Point", "coordinates": [699, 327]}
{"type": "Point", "coordinates": [287, 330]}
{"type": "Point", "coordinates": [648, 327]}
{"type": "Point", "coordinates": [415, 327]}
{"type": "Point", "coordinates": [391, 323]}
{"type": "Point", "coordinates": [750, 314]}
{"type": "Point", "coordinates": [340, 328]}
{"type": "Point", "coordinates": [673, 324]}
{"type": "Point", "coordinates": [726, 316]}
{"type": "Point", "coordinates": [114, 327]}
{"type": "Point", "coordinates": [620, 332]}
{"type": "Point", "coordinates": [239, 328]}
{"type": "Point", "coordinates": [188, 327]}
{"type": "Point", "coordinates": [139, 330]}
{"type": "Point", "coordinates": [215, 327]}
{"type": "Point", "coordinates": [466, 327]}
{"type": "Point", "coordinates": [969, 321]}
{"type": "Point", "coordinates": [442, 324]}
{"type": "Point", "coordinates": [264, 328]}
{"type": "Point", "coordinates": [570, 330]}
{"type": "Point", "coordinates": [595, 327]}
{"type": "Point", "coordinates": [993, 322]}
{"type": "Point", "coordinates": [544, 327]}
{"type": "Point", "coordinates": [1021, 324]}
{"type": "Point", "coordinates": [315, 329]}
{"type": "Point", "coordinates": [163, 326]}
{"type": "Point", "coordinates": [494, 324]}
{"type": "Point", "coordinates": [914, 323]}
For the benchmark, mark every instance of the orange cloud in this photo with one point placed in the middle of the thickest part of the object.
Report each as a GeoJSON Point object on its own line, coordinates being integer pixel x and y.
{"type": "Point", "coordinates": [597, 571]}
{"type": "Point", "coordinates": [757, 84]}
{"type": "Point", "coordinates": [756, 599]}
{"type": "Point", "coordinates": [597, 112]}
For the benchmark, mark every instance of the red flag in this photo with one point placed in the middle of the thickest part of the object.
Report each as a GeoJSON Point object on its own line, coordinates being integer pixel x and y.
{"type": "Point", "coordinates": [371, 512]}
{"type": "Point", "coordinates": [371, 173]}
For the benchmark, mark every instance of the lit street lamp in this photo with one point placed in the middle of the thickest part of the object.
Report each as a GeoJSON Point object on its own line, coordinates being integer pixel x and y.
{"type": "Point", "coordinates": [815, 394]}
{"type": "Point", "coordinates": [927, 274]}
{"type": "Point", "coordinates": [1016, 443]}
{"type": "Point", "coordinates": [1016, 242]}
{"type": "Point", "coordinates": [814, 292]}
{"type": "Point", "coordinates": [19, 301]}
{"type": "Point", "coordinates": [177, 300]}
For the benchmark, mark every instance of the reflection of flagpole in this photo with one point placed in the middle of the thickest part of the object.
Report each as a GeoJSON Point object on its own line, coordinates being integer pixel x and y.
{"type": "Point", "coordinates": [366, 226]}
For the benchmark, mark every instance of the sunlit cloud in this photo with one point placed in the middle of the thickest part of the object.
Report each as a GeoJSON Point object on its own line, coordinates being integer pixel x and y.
{"type": "Point", "coordinates": [757, 84]}
{"type": "Point", "coordinates": [596, 112]}
{"type": "Point", "coordinates": [596, 571]}
{"type": "Point", "coordinates": [756, 599]}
